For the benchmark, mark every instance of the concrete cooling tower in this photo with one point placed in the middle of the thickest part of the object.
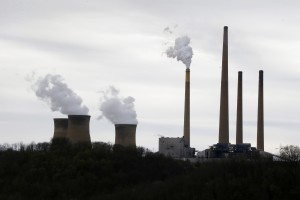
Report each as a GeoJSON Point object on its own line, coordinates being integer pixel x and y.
{"type": "Point", "coordinates": [79, 128]}
{"type": "Point", "coordinates": [125, 134]}
{"type": "Point", "coordinates": [60, 127]}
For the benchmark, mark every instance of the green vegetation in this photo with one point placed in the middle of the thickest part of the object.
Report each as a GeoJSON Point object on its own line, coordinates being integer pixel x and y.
{"type": "Point", "coordinates": [102, 171]}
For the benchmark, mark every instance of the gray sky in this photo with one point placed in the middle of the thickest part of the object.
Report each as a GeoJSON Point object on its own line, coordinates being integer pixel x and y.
{"type": "Point", "coordinates": [94, 44]}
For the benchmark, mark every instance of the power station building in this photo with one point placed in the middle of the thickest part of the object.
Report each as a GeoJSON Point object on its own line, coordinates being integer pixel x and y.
{"type": "Point", "coordinates": [223, 148]}
{"type": "Point", "coordinates": [180, 147]}
{"type": "Point", "coordinates": [76, 127]}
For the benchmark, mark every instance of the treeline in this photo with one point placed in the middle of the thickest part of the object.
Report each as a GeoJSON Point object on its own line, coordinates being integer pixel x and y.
{"type": "Point", "coordinates": [225, 180]}
{"type": "Point", "coordinates": [58, 170]}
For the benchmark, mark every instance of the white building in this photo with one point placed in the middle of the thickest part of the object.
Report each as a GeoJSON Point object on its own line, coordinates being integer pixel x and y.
{"type": "Point", "coordinates": [175, 148]}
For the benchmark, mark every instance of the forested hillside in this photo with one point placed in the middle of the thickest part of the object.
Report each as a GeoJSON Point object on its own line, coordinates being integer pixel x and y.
{"type": "Point", "coordinates": [59, 170]}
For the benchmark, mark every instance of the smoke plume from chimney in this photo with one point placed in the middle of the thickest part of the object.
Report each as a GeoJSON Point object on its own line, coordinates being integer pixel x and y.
{"type": "Point", "coordinates": [52, 90]}
{"type": "Point", "coordinates": [116, 109]}
{"type": "Point", "coordinates": [181, 50]}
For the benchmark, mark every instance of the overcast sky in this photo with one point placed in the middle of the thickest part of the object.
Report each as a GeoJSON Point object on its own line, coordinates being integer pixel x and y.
{"type": "Point", "coordinates": [94, 44]}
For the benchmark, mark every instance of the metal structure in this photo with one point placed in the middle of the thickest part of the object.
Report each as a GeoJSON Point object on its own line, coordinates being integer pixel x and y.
{"type": "Point", "coordinates": [79, 129]}
{"type": "Point", "coordinates": [125, 134]}
{"type": "Point", "coordinates": [60, 127]}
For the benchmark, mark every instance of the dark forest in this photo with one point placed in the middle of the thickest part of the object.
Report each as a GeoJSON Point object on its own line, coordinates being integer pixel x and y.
{"type": "Point", "coordinates": [58, 170]}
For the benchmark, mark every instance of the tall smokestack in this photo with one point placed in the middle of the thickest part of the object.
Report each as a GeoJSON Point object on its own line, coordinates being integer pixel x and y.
{"type": "Point", "coordinates": [60, 127]}
{"type": "Point", "coordinates": [260, 112]}
{"type": "Point", "coordinates": [239, 112]}
{"type": "Point", "coordinates": [224, 116]}
{"type": "Point", "coordinates": [186, 126]}
{"type": "Point", "coordinates": [125, 134]}
{"type": "Point", "coordinates": [79, 128]}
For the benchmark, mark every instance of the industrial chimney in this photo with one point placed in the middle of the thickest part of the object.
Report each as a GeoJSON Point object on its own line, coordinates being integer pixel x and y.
{"type": "Point", "coordinates": [239, 112]}
{"type": "Point", "coordinates": [60, 127]}
{"type": "Point", "coordinates": [125, 134]}
{"type": "Point", "coordinates": [78, 128]}
{"type": "Point", "coordinates": [224, 115]}
{"type": "Point", "coordinates": [260, 112]}
{"type": "Point", "coordinates": [186, 126]}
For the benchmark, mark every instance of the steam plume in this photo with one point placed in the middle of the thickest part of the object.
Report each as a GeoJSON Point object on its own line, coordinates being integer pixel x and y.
{"type": "Point", "coordinates": [52, 90]}
{"type": "Point", "coordinates": [117, 110]}
{"type": "Point", "coordinates": [181, 50]}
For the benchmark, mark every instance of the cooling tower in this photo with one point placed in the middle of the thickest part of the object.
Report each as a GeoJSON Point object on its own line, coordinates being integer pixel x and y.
{"type": "Point", "coordinates": [239, 112]}
{"type": "Point", "coordinates": [79, 128]}
{"type": "Point", "coordinates": [186, 126]}
{"type": "Point", "coordinates": [260, 112]}
{"type": "Point", "coordinates": [125, 134]}
{"type": "Point", "coordinates": [224, 115]}
{"type": "Point", "coordinates": [60, 127]}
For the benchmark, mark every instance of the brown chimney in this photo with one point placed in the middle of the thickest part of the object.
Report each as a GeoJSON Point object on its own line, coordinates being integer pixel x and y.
{"type": "Point", "coordinates": [79, 128]}
{"type": "Point", "coordinates": [260, 112]}
{"type": "Point", "coordinates": [125, 134]}
{"type": "Point", "coordinates": [224, 115]}
{"type": "Point", "coordinates": [186, 126]}
{"type": "Point", "coordinates": [239, 113]}
{"type": "Point", "coordinates": [60, 127]}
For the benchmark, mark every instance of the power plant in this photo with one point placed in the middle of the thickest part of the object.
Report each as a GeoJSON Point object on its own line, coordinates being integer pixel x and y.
{"type": "Point", "coordinates": [76, 127]}
{"type": "Point", "coordinates": [179, 147]}
{"type": "Point", "coordinates": [125, 134]}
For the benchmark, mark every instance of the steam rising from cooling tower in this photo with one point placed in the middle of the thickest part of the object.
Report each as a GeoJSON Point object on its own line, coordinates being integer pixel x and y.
{"type": "Point", "coordinates": [116, 109]}
{"type": "Point", "coordinates": [181, 50]}
{"type": "Point", "coordinates": [52, 90]}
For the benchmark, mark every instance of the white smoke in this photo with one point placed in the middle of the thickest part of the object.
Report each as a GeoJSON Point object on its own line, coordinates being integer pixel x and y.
{"type": "Point", "coordinates": [116, 109]}
{"type": "Point", "coordinates": [52, 90]}
{"type": "Point", "coordinates": [181, 50]}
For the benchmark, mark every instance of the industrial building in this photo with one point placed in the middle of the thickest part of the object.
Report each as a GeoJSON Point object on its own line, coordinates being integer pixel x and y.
{"type": "Point", "coordinates": [180, 147]}
{"type": "Point", "coordinates": [224, 149]}
{"type": "Point", "coordinates": [76, 127]}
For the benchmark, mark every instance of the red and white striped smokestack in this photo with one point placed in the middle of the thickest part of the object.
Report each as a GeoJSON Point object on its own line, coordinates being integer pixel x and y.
{"type": "Point", "coordinates": [260, 112]}
{"type": "Point", "coordinates": [239, 112]}
{"type": "Point", "coordinates": [186, 126]}
{"type": "Point", "coordinates": [224, 115]}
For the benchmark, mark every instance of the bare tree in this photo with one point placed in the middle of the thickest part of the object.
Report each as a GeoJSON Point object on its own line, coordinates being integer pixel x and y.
{"type": "Point", "coordinates": [290, 153]}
